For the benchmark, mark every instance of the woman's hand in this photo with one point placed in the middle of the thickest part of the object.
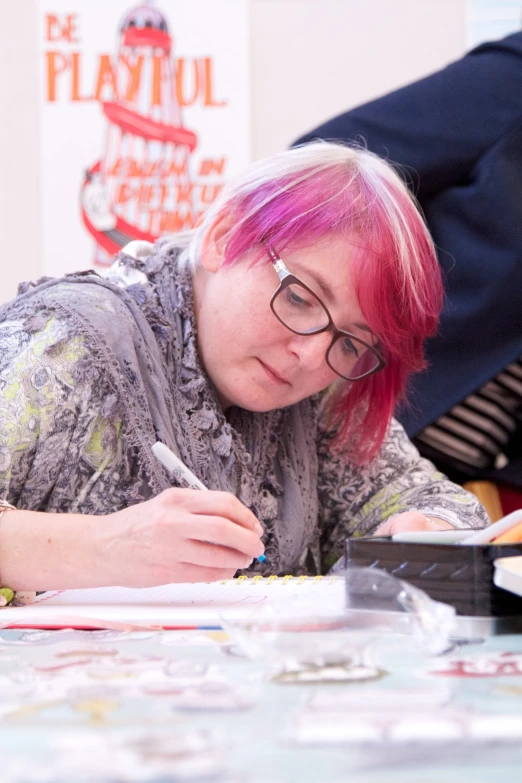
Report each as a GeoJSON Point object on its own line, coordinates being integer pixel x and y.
{"type": "Point", "coordinates": [411, 520]}
{"type": "Point", "coordinates": [182, 535]}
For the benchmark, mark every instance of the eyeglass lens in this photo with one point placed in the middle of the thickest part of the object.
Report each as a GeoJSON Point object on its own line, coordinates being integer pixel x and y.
{"type": "Point", "coordinates": [302, 312]}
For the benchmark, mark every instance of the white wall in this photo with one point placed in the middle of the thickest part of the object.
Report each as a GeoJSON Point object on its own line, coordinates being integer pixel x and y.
{"type": "Point", "coordinates": [310, 60]}
{"type": "Point", "coordinates": [19, 163]}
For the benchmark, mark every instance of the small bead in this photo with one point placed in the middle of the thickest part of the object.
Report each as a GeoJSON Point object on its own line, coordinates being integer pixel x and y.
{"type": "Point", "coordinates": [7, 593]}
{"type": "Point", "coordinates": [24, 596]}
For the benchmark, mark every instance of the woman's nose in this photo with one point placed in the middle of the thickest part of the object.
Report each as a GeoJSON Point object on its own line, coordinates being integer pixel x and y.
{"type": "Point", "coordinates": [311, 349]}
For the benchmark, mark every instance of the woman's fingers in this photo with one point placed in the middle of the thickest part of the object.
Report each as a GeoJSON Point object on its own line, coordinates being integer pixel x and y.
{"type": "Point", "coordinates": [222, 532]}
{"type": "Point", "coordinates": [200, 553]}
{"type": "Point", "coordinates": [188, 572]}
{"type": "Point", "coordinates": [181, 535]}
{"type": "Point", "coordinates": [410, 520]}
{"type": "Point", "coordinates": [222, 504]}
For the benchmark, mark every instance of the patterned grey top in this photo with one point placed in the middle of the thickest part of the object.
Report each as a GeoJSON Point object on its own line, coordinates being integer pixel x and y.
{"type": "Point", "coordinates": [93, 371]}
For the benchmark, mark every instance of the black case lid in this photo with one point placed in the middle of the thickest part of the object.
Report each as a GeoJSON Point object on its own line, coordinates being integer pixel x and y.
{"type": "Point", "coordinates": [458, 575]}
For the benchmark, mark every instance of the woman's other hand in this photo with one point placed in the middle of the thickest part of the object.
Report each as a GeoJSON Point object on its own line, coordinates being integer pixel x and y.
{"type": "Point", "coordinates": [181, 535]}
{"type": "Point", "coordinates": [411, 520]}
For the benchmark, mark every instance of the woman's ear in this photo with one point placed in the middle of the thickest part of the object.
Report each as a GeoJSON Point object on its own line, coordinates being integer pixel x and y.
{"type": "Point", "coordinates": [214, 244]}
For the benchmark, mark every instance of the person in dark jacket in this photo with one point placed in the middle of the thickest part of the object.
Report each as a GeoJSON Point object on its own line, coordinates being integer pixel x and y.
{"type": "Point", "coordinates": [457, 139]}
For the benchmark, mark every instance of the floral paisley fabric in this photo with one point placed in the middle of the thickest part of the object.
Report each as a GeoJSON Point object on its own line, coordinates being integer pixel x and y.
{"type": "Point", "coordinates": [94, 370]}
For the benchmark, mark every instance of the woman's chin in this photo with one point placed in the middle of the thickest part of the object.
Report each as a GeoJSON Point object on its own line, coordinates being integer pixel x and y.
{"type": "Point", "coordinates": [258, 406]}
{"type": "Point", "coordinates": [249, 400]}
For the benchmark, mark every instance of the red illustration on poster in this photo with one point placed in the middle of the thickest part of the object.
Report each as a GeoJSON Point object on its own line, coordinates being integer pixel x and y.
{"type": "Point", "coordinates": [170, 127]}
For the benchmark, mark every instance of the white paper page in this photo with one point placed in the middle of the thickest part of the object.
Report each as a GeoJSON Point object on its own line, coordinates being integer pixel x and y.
{"type": "Point", "coordinates": [186, 604]}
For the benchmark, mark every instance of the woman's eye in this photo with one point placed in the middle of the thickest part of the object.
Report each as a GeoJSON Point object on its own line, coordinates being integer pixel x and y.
{"type": "Point", "coordinates": [295, 299]}
{"type": "Point", "coordinates": [349, 347]}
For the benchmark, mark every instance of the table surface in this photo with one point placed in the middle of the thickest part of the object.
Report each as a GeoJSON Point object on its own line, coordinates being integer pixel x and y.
{"type": "Point", "coordinates": [107, 706]}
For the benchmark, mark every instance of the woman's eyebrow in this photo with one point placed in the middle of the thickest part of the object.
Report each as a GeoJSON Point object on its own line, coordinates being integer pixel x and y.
{"type": "Point", "coordinates": [318, 278]}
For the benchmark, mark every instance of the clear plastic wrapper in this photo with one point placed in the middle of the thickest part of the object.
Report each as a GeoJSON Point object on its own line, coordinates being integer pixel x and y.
{"type": "Point", "coordinates": [344, 640]}
{"type": "Point", "coordinates": [381, 601]}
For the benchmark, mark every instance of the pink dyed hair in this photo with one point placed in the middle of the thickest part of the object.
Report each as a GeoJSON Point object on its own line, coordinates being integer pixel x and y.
{"type": "Point", "coordinates": [323, 189]}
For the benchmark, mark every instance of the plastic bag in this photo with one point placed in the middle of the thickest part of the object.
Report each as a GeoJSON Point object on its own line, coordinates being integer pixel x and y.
{"type": "Point", "coordinates": [341, 642]}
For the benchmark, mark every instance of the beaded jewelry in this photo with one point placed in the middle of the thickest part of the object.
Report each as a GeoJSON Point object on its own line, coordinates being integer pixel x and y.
{"type": "Point", "coordinates": [6, 594]}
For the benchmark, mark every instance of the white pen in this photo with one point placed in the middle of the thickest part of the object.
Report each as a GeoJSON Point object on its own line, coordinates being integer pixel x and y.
{"type": "Point", "coordinates": [180, 471]}
{"type": "Point", "coordinates": [430, 536]}
{"type": "Point", "coordinates": [486, 534]}
{"type": "Point", "coordinates": [175, 466]}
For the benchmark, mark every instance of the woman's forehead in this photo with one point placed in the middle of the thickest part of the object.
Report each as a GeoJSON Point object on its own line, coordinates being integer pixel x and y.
{"type": "Point", "coordinates": [324, 252]}
{"type": "Point", "coordinates": [327, 261]}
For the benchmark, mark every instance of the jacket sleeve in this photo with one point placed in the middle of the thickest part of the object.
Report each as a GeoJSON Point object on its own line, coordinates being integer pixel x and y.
{"type": "Point", "coordinates": [52, 429]}
{"type": "Point", "coordinates": [355, 501]}
{"type": "Point", "coordinates": [438, 127]}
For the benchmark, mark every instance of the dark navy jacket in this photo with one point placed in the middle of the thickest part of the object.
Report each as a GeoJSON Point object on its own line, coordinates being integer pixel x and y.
{"type": "Point", "coordinates": [459, 133]}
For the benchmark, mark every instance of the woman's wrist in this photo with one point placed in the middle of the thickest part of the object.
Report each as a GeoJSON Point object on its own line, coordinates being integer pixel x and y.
{"type": "Point", "coordinates": [6, 593]}
{"type": "Point", "coordinates": [48, 551]}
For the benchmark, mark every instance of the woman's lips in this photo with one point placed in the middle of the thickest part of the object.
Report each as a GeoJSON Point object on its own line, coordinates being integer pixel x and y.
{"type": "Point", "coordinates": [273, 375]}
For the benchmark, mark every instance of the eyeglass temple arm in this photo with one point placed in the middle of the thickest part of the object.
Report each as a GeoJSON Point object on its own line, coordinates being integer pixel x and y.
{"type": "Point", "coordinates": [279, 265]}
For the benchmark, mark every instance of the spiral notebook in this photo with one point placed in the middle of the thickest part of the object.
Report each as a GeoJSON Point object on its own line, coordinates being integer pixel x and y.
{"type": "Point", "coordinates": [178, 605]}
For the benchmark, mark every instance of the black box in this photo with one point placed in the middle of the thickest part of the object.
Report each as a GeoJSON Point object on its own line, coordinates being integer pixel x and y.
{"type": "Point", "coordinates": [458, 575]}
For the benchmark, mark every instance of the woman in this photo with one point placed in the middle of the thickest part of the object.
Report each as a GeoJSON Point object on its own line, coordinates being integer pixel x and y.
{"type": "Point", "coordinates": [267, 348]}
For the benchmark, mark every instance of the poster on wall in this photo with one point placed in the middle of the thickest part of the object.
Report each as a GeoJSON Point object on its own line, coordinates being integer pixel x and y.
{"type": "Point", "coordinates": [492, 19]}
{"type": "Point", "coordinates": [144, 115]}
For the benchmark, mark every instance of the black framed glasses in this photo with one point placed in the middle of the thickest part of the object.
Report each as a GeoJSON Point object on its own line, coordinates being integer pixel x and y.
{"type": "Point", "coordinates": [298, 308]}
